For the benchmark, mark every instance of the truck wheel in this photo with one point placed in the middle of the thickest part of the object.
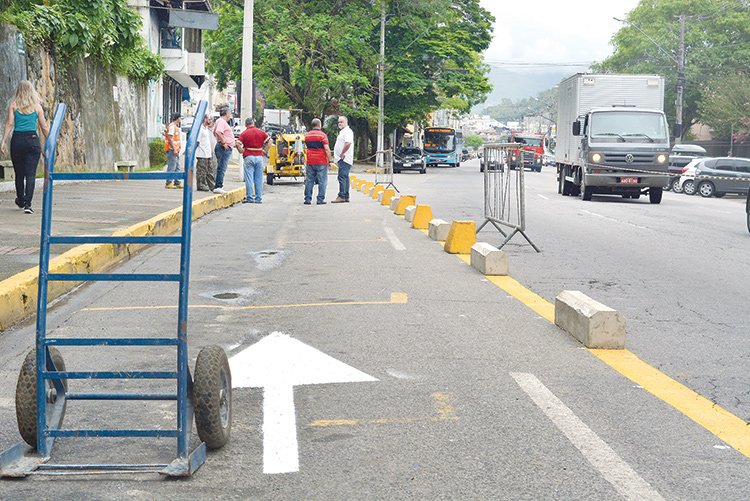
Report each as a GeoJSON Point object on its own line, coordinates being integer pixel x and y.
{"type": "Point", "coordinates": [269, 178]}
{"type": "Point", "coordinates": [560, 181]}
{"type": "Point", "coordinates": [585, 191]}
{"type": "Point", "coordinates": [688, 187]}
{"type": "Point", "coordinates": [654, 195]}
{"type": "Point", "coordinates": [706, 189]}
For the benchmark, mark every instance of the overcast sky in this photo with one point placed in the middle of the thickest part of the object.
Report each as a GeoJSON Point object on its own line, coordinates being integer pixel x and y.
{"type": "Point", "coordinates": [553, 31]}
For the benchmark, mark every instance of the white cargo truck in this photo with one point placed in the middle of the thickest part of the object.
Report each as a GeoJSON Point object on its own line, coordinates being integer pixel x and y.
{"type": "Point", "coordinates": [612, 136]}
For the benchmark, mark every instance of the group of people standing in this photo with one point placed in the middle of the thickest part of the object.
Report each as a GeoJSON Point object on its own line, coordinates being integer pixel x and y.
{"type": "Point", "coordinates": [25, 113]}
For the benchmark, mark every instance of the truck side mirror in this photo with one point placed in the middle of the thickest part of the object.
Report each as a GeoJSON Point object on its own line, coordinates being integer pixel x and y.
{"type": "Point", "coordinates": [576, 128]}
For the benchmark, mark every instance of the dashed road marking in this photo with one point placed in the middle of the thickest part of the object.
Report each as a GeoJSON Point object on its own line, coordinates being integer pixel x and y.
{"type": "Point", "coordinates": [601, 456]}
{"type": "Point", "coordinates": [395, 242]}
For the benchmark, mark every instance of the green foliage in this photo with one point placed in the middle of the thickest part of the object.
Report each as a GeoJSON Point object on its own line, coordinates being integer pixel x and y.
{"type": "Point", "coordinates": [715, 32]}
{"type": "Point", "coordinates": [474, 141]}
{"type": "Point", "coordinates": [726, 106]}
{"type": "Point", "coordinates": [105, 30]}
{"type": "Point", "coordinates": [544, 105]}
{"type": "Point", "coordinates": [322, 57]}
{"type": "Point", "coordinates": [156, 155]}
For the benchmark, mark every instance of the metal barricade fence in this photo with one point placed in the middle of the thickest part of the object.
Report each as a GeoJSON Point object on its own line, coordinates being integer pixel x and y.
{"type": "Point", "coordinates": [504, 195]}
{"type": "Point", "coordinates": [384, 161]}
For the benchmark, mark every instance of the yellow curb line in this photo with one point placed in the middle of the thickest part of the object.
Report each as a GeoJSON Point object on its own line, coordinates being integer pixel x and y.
{"type": "Point", "coordinates": [18, 294]}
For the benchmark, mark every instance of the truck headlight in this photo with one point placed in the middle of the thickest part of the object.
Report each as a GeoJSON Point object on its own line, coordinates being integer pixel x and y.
{"type": "Point", "coordinates": [661, 158]}
{"type": "Point", "coordinates": [596, 158]}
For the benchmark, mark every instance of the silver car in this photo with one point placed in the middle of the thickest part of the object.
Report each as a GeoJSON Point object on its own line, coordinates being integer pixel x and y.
{"type": "Point", "coordinates": [719, 176]}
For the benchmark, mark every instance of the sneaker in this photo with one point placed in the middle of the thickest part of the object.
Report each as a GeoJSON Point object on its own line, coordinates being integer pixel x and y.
{"type": "Point", "coordinates": [177, 186]}
{"type": "Point", "coordinates": [19, 203]}
{"type": "Point", "coordinates": [28, 210]}
{"type": "Point", "coordinates": [169, 185]}
{"type": "Point", "coordinates": [258, 202]}
{"type": "Point", "coordinates": [321, 203]}
{"type": "Point", "coordinates": [347, 200]}
{"type": "Point", "coordinates": [338, 200]}
{"type": "Point", "coordinates": [307, 203]}
{"type": "Point", "coordinates": [220, 190]}
{"type": "Point", "coordinates": [246, 201]}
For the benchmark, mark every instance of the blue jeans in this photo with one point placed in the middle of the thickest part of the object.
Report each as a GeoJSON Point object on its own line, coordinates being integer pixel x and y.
{"type": "Point", "coordinates": [222, 159]}
{"type": "Point", "coordinates": [173, 165]}
{"type": "Point", "coordinates": [253, 177]}
{"type": "Point", "coordinates": [344, 169]}
{"type": "Point", "coordinates": [317, 173]}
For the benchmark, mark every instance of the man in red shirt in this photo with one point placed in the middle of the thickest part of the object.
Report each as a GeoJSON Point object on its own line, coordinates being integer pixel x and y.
{"type": "Point", "coordinates": [253, 143]}
{"type": "Point", "coordinates": [318, 159]}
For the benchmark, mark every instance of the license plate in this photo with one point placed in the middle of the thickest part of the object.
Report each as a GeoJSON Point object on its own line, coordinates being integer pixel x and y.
{"type": "Point", "coordinates": [407, 165]}
{"type": "Point", "coordinates": [629, 180]}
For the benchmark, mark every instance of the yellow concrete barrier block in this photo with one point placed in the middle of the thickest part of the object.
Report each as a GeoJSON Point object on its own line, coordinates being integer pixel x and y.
{"type": "Point", "coordinates": [387, 195]}
{"type": "Point", "coordinates": [422, 217]}
{"type": "Point", "coordinates": [352, 178]}
{"type": "Point", "coordinates": [356, 183]}
{"type": "Point", "coordinates": [377, 189]}
{"type": "Point", "coordinates": [461, 236]}
{"type": "Point", "coordinates": [368, 185]}
{"type": "Point", "coordinates": [405, 201]}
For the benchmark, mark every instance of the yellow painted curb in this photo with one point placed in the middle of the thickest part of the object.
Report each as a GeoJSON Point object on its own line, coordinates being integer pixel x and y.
{"type": "Point", "coordinates": [387, 195]}
{"type": "Point", "coordinates": [422, 217]}
{"type": "Point", "coordinates": [18, 294]}
{"type": "Point", "coordinates": [377, 189]}
{"type": "Point", "coordinates": [405, 201]}
{"type": "Point", "coordinates": [461, 237]}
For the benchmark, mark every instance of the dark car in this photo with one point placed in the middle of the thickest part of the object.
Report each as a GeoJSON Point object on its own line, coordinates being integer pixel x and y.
{"type": "Point", "coordinates": [718, 176]}
{"type": "Point", "coordinates": [682, 154]}
{"type": "Point", "coordinates": [409, 159]}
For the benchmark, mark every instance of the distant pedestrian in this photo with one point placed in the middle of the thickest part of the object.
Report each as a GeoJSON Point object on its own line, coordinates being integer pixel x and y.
{"type": "Point", "coordinates": [23, 114]}
{"type": "Point", "coordinates": [204, 171]}
{"type": "Point", "coordinates": [173, 146]}
{"type": "Point", "coordinates": [225, 138]}
{"type": "Point", "coordinates": [318, 159]}
{"type": "Point", "coordinates": [343, 154]}
{"type": "Point", "coordinates": [253, 143]}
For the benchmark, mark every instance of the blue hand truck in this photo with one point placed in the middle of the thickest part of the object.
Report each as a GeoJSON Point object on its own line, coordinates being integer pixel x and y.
{"type": "Point", "coordinates": [42, 390]}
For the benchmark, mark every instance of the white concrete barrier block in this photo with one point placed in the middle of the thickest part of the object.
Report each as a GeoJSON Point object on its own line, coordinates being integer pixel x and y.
{"type": "Point", "coordinates": [394, 203]}
{"type": "Point", "coordinates": [371, 190]}
{"type": "Point", "coordinates": [590, 322]}
{"type": "Point", "coordinates": [380, 196]}
{"type": "Point", "coordinates": [409, 213]}
{"type": "Point", "coordinates": [439, 229]}
{"type": "Point", "coordinates": [489, 260]}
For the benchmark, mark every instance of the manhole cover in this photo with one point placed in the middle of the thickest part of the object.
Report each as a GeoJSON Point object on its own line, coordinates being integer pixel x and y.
{"type": "Point", "coordinates": [227, 295]}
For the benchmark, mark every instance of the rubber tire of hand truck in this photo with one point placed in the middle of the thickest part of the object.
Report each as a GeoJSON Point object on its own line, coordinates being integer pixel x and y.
{"type": "Point", "coordinates": [269, 179]}
{"type": "Point", "coordinates": [26, 396]}
{"type": "Point", "coordinates": [212, 396]}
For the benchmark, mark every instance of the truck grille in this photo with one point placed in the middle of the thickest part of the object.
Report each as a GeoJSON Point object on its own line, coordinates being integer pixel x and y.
{"type": "Point", "coordinates": [619, 159]}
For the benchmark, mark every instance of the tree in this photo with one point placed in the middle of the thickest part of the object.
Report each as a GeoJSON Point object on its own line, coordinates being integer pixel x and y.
{"type": "Point", "coordinates": [322, 57]}
{"type": "Point", "coordinates": [726, 106]}
{"type": "Point", "coordinates": [474, 141]}
{"type": "Point", "coordinates": [715, 34]}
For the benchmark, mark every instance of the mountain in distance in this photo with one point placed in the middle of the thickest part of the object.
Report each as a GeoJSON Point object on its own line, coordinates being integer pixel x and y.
{"type": "Point", "coordinates": [515, 86]}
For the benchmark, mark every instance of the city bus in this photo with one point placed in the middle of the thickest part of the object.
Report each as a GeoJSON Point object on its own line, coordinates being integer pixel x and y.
{"type": "Point", "coordinates": [442, 146]}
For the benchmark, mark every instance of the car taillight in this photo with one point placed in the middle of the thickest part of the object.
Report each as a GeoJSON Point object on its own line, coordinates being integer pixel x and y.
{"type": "Point", "coordinates": [684, 170]}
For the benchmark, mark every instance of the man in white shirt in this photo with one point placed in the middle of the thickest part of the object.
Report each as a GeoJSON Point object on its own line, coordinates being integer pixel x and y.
{"type": "Point", "coordinates": [343, 153]}
{"type": "Point", "coordinates": [204, 172]}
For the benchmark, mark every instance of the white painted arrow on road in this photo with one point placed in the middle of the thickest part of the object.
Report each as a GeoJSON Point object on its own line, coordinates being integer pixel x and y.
{"type": "Point", "coordinates": [278, 363]}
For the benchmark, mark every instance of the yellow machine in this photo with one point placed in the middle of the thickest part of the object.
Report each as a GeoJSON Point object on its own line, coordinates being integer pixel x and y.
{"type": "Point", "coordinates": [287, 157]}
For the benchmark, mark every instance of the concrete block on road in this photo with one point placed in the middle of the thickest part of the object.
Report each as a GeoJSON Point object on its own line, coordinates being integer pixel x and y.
{"type": "Point", "coordinates": [405, 201]}
{"type": "Point", "coordinates": [461, 236]}
{"type": "Point", "coordinates": [377, 190]}
{"type": "Point", "coordinates": [352, 178]}
{"type": "Point", "coordinates": [488, 259]}
{"type": "Point", "coordinates": [367, 186]}
{"type": "Point", "coordinates": [439, 229]}
{"type": "Point", "coordinates": [590, 322]}
{"type": "Point", "coordinates": [422, 217]}
{"type": "Point", "coordinates": [409, 213]}
{"type": "Point", "coordinates": [387, 195]}
{"type": "Point", "coordinates": [394, 203]}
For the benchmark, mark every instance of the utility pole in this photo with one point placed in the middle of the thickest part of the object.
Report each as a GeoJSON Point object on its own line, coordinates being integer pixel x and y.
{"type": "Point", "coordinates": [379, 163]}
{"type": "Point", "coordinates": [680, 83]}
{"type": "Point", "coordinates": [246, 110]}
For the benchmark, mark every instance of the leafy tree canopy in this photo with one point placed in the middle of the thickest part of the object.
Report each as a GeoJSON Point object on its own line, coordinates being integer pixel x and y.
{"type": "Point", "coordinates": [716, 34]}
{"type": "Point", "coordinates": [544, 105]}
{"type": "Point", "coordinates": [726, 106]}
{"type": "Point", "coordinates": [474, 141]}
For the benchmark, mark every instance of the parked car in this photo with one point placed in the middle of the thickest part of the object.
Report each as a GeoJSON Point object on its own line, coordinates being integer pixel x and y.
{"type": "Point", "coordinates": [724, 175]}
{"type": "Point", "coordinates": [465, 154]}
{"type": "Point", "coordinates": [409, 159]}
{"type": "Point", "coordinates": [682, 154]}
{"type": "Point", "coordinates": [686, 183]}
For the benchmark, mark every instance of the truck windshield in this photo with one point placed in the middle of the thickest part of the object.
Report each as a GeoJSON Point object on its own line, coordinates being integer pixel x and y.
{"type": "Point", "coordinates": [531, 141]}
{"type": "Point", "coordinates": [630, 126]}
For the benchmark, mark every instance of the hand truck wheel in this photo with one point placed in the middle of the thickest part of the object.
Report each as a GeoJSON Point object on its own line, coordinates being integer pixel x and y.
{"type": "Point", "coordinates": [26, 396]}
{"type": "Point", "coordinates": [212, 397]}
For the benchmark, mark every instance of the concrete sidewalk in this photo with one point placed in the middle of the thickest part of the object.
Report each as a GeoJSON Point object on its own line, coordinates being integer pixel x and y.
{"type": "Point", "coordinates": [94, 208]}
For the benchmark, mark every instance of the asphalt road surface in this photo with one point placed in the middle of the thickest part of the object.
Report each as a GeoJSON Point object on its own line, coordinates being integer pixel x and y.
{"type": "Point", "coordinates": [367, 363]}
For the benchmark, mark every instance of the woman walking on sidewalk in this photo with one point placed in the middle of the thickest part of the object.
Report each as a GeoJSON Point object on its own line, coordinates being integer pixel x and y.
{"type": "Point", "coordinates": [23, 114]}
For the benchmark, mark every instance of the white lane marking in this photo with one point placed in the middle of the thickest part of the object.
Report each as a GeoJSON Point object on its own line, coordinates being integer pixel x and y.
{"type": "Point", "coordinates": [278, 363]}
{"type": "Point", "coordinates": [395, 242]}
{"type": "Point", "coordinates": [542, 196]}
{"type": "Point", "coordinates": [601, 456]}
{"type": "Point", "coordinates": [614, 220]}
